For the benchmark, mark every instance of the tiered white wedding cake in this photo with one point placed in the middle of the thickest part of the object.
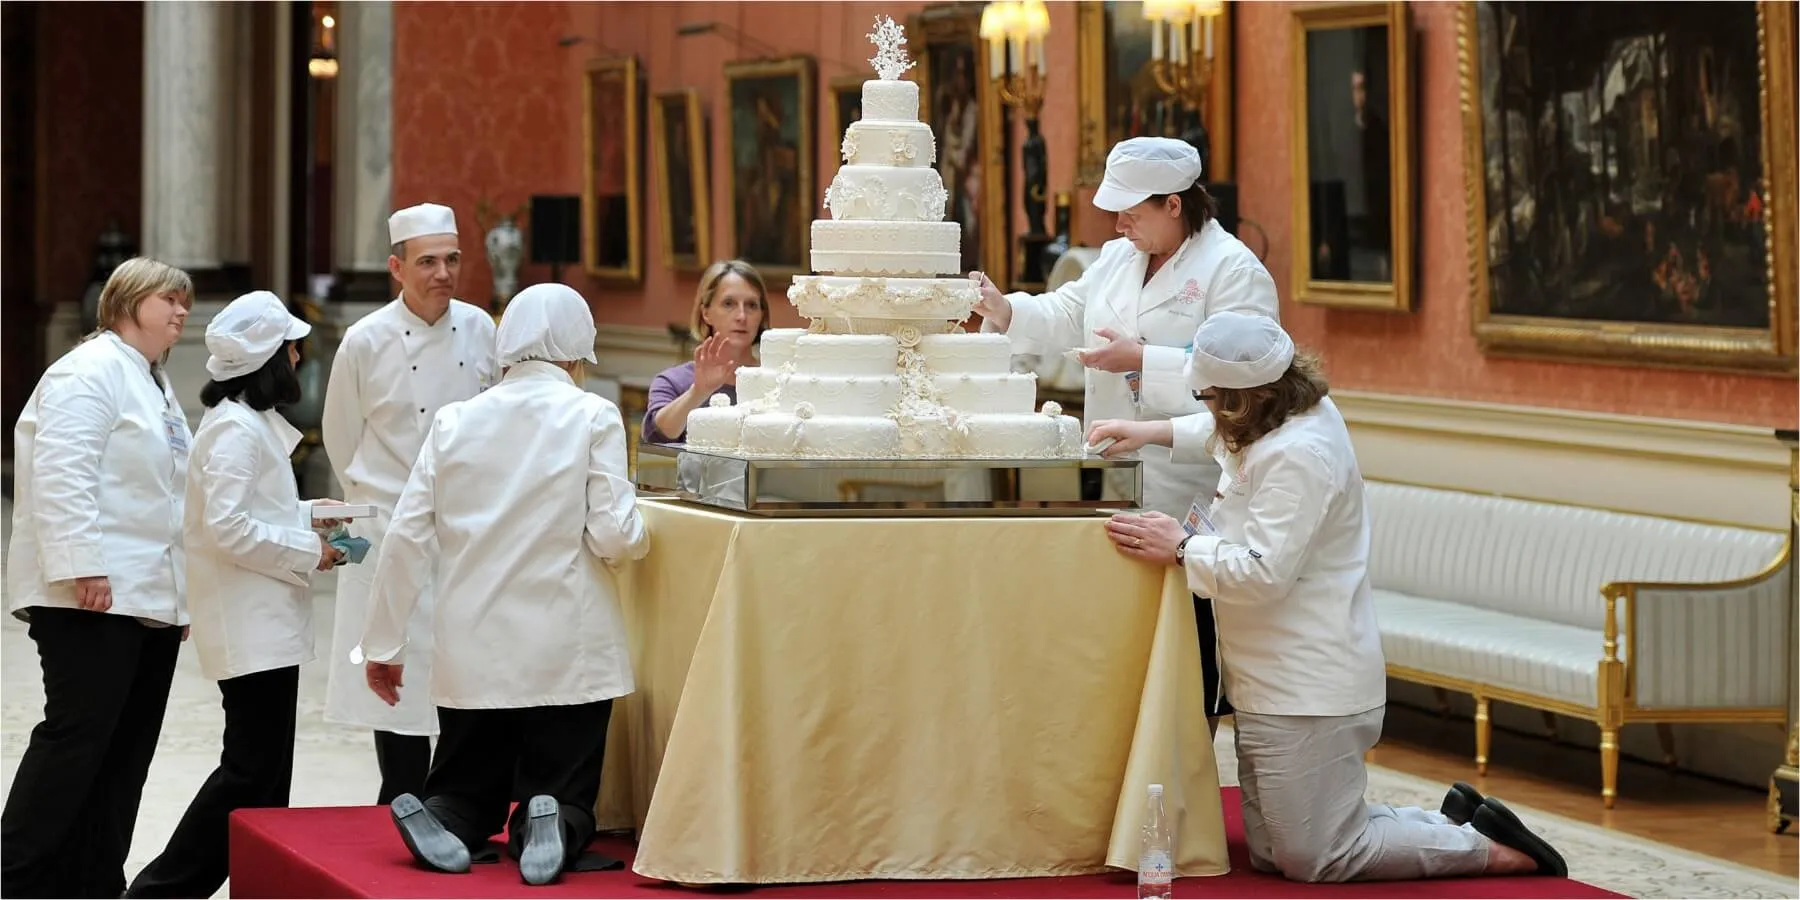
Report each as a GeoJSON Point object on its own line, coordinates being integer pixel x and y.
{"type": "Point", "coordinates": [885, 369]}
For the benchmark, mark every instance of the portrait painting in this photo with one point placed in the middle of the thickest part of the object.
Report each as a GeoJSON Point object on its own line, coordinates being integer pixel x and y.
{"type": "Point", "coordinates": [845, 108]}
{"type": "Point", "coordinates": [678, 130]}
{"type": "Point", "coordinates": [769, 191]}
{"type": "Point", "coordinates": [963, 110]}
{"type": "Point", "coordinates": [1120, 95]}
{"type": "Point", "coordinates": [612, 203]}
{"type": "Point", "coordinates": [1632, 180]}
{"type": "Point", "coordinates": [1352, 155]}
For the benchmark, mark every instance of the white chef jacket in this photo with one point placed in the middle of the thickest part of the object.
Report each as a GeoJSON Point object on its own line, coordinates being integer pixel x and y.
{"type": "Point", "coordinates": [251, 547]}
{"type": "Point", "coordinates": [391, 375]}
{"type": "Point", "coordinates": [1210, 272]}
{"type": "Point", "coordinates": [1289, 569]}
{"type": "Point", "coordinates": [100, 456]}
{"type": "Point", "coordinates": [518, 508]}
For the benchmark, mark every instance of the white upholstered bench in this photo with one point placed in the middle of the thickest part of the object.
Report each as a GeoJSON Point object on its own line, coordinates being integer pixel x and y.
{"type": "Point", "coordinates": [1604, 616]}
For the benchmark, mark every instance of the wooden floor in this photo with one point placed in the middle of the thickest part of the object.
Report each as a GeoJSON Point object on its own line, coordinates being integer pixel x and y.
{"type": "Point", "coordinates": [1695, 814]}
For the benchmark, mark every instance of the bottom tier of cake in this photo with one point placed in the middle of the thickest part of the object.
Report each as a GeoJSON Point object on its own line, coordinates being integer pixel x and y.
{"type": "Point", "coordinates": [740, 429]}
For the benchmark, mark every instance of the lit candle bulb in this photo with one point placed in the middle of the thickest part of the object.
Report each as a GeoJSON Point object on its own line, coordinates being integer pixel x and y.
{"type": "Point", "coordinates": [1208, 29]}
{"type": "Point", "coordinates": [1043, 59]}
{"type": "Point", "coordinates": [1156, 50]}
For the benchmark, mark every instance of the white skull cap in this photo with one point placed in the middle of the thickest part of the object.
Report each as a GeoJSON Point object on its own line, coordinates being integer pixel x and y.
{"type": "Point", "coordinates": [549, 322]}
{"type": "Point", "coordinates": [1140, 167]}
{"type": "Point", "coordinates": [247, 333]}
{"type": "Point", "coordinates": [1239, 350]}
{"type": "Point", "coordinates": [419, 221]}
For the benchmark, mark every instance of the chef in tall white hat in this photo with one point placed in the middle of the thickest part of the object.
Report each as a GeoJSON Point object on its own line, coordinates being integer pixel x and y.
{"type": "Point", "coordinates": [1284, 553]}
{"type": "Point", "coordinates": [1131, 316]}
{"type": "Point", "coordinates": [395, 368]}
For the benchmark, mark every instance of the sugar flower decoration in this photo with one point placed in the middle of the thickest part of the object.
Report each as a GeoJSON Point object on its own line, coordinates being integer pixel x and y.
{"type": "Point", "coordinates": [718, 401]}
{"type": "Point", "coordinates": [803, 410]}
{"type": "Point", "coordinates": [1052, 408]}
{"type": "Point", "coordinates": [889, 39]}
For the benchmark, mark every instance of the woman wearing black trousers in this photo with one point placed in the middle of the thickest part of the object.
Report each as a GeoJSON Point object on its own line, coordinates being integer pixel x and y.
{"type": "Point", "coordinates": [96, 568]}
{"type": "Point", "coordinates": [252, 549]}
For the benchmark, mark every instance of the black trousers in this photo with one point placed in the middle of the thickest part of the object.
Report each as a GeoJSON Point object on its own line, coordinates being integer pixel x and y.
{"type": "Point", "coordinates": [488, 759]}
{"type": "Point", "coordinates": [404, 760]}
{"type": "Point", "coordinates": [256, 769]}
{"type": "Point", "coordinates": [68, 822]}
{"type": "Point", "coordinates": [1211, 668]}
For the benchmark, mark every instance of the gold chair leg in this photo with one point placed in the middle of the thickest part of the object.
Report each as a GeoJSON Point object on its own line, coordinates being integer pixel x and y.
{"type": "Point", "coordinates": [1609, 765]}
{"type": "Point", "coordinates": [1483, 732]}
{"type": "Point", "coordinates": [1665, 735]}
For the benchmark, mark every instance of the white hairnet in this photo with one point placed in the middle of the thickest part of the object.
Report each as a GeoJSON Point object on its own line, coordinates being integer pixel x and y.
{"type": "Point", "coordinates": [550, 322]}
{"type": "Point", "coordinates": [1239, 350]}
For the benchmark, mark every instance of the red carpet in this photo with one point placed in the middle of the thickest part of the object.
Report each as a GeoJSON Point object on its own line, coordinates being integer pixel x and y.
{"type": "Point", "coordinates": [355, 852]}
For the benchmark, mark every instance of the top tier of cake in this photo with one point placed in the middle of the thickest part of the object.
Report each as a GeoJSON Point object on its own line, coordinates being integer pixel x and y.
{"type": "Point", "coordinates": [890, 101]}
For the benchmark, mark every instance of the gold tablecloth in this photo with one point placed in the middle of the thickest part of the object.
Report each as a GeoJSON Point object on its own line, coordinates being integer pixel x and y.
{"type": "Point", "coordinates": [823, 700]}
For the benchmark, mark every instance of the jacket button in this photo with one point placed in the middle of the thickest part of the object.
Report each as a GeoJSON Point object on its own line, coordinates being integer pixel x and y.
{"type": "Point", "coordinates": [421, 409]}
{"type": "Point", "coordinates": [415, 368]}
{"type": "Point", "coordinates": [459, 365]}
{"type": "Point", "coordinates": [409, 334]}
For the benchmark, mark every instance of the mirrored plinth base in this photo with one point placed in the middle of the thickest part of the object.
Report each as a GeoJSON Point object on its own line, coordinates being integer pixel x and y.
{"type": "Point", "coordinates": [893, 487]}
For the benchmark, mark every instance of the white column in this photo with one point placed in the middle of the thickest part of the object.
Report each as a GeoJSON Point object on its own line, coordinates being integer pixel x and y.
{"type": "Point", "coordinates": [363, 172]}
{"type": "Point", "coordinates": [186, 117]}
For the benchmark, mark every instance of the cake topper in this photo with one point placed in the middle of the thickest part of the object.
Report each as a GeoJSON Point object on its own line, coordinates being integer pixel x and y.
{"type": "Point", "coordinates": [889, 39]}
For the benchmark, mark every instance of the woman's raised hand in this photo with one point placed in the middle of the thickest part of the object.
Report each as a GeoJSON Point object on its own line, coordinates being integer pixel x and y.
{"type": "Point", "coordinates": [992, 305]}
{"type": "Point", "coordinates": [715, 364]}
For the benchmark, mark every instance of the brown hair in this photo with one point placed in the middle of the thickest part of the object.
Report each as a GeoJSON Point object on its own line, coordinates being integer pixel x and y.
{"type": "Point", "coordinates": [709, 288]}
{"type": "Point", "coordinates": [1197, 206]}
{"type": "Point", "coordinates": [131, 282]}
{"type": "Point", "coordinates": [1242, 416]}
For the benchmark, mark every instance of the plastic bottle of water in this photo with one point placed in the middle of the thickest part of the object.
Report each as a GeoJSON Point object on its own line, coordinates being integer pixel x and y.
{"type": "Point", "coordinates": [1156, 867]}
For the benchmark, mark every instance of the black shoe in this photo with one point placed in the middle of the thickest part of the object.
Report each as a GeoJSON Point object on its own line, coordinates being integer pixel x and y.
{"type": "Point", "coordinates": [1501, 826]}
{"type": "Point", "coordinates": [430, 842]}
{"type": "Point", "coordinates": [1460, 804]}
{"type": "Point", "coordinates": [541, 857]}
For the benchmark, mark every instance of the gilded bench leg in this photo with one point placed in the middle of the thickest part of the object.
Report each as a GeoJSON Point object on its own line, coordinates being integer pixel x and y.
{"type": "Point", "coordinates": [1483, 732]}
{"type": "Point", "coordinates": [1609, 765]}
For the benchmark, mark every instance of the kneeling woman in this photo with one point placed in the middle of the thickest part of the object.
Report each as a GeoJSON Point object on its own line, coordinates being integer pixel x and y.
{"type": "Point", "coordinates": [252, 550]}
{"type": "Point", "coordinates": [529, 642]}
{"type": "Point", "coordinates": [1284, 553]}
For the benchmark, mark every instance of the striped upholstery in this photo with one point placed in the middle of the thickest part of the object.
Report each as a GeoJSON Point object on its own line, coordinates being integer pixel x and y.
{"type": "Point", "coordinates": [1506, 592]}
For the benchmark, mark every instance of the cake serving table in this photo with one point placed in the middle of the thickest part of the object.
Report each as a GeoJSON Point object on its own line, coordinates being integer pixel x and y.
{"type": "Point", "coordinates": [827, 699]}
{"type": "Point", "coordinates": [886, 488]}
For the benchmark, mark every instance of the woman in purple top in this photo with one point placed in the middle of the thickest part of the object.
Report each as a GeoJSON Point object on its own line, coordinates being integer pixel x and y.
{"type": "Point", "coordinates": [731, 311]}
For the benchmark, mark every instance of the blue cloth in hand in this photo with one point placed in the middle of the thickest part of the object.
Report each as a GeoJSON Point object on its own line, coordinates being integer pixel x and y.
{"type": "Point", "coordinates": [353, 548]}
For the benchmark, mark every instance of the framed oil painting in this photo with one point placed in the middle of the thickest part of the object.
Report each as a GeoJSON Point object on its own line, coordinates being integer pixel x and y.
{"type": "Point", "coordinates": [1630, 178]}
{"type": "Point", "coordinates": [965, 112]}
{"type": "Point", "coordinates": [1119, 97]}
{"type": "Point", "coordinates": [1353, 156]}
{"type": "Point", "coordinates": [679, 151]}
{"type": "Point", "coordinates": [845, 107]}
{"type": "Point", "coordinates": [612, 203]}
{"type": "Point", "coordinates": [769, 183]}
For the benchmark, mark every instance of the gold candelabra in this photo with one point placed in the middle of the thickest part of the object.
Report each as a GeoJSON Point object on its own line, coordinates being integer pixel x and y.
{"type": "Point", "coordinates": [1015, 32]}
{"type": "Point", "coordinates": [1182, 47]}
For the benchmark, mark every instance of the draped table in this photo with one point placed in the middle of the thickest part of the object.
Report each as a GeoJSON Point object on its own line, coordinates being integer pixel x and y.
{"type": "Point", "coordinates": [836, 699]}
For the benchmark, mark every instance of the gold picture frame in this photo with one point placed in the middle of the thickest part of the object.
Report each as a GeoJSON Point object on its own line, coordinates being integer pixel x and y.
{"type": "Point", "coordinates": [1353, 235]}
{"type": "Point", "coordinates": [679, 155]}
{"type": "Point", "coordinates": [844, 106]}
{"type": "Point", "coordinates": [1110, 38]}
{"type": "Point", "coordinates": [1645, 340]}
{"type": "Point", "coordinates": [612, 234]}
{"type": "Point", "coordinates": [950, 35]}
{"type": "Point", "coordinates": [770, 151]}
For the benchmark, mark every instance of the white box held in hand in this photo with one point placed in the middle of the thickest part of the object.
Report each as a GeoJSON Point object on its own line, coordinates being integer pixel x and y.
{"type": "Point", "coordinates": [346, 511]}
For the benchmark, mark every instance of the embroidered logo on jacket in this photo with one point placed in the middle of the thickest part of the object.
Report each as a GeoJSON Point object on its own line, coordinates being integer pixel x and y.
{"type": "Point", "coordinates": [1191, 292]}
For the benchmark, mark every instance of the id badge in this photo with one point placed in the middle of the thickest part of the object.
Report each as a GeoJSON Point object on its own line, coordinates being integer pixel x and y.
{"type": "Point", "coordinates": [176, 429]}
{"type": "Point", "coordinates": [1135, 381]}
{"type": "Point", "coordinates": [1199, 520]}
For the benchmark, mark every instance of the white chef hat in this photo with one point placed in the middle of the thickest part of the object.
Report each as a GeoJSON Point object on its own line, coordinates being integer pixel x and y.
{"type": "Point", "coordinates": [247, 333]}
{"type": "Point", "coordinates": [550, 322]}
{"type": "Point", "coordinates": [1239, 350]}
{"type": "Point", "coordinates": [1141, 166]}
{"type": "Point", "coordinates": [419, 221]}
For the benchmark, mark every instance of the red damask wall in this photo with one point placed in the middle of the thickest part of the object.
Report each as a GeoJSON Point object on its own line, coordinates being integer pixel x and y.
{"type": "Point", "coordinates": [93, 55]}
{"type": "Point", "coordinates": [488, 105]}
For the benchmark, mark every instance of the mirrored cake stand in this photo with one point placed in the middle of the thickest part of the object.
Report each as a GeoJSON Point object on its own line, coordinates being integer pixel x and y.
{"type": "Point", "coordinates": [885, 488]}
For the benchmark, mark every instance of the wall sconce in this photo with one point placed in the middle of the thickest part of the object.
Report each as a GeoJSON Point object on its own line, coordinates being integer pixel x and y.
{"type": "Point", "coordinates": [1181, 46]}
{"type": "Point", "coordinates": [1015, 31]}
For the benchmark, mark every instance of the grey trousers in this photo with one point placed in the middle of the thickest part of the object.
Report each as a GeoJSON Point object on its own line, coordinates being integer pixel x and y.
{"type": "Point", "coordinates": [1303, 779]}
